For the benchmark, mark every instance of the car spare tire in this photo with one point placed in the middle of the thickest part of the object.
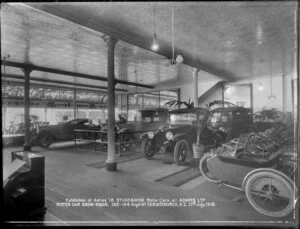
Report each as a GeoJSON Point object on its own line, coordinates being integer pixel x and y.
{"type": "Point", "coordinates": [148, 148]}
{"type": "Point", "coordinates": [45, 140]}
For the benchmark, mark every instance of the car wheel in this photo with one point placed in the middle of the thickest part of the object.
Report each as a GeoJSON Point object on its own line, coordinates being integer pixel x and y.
{"type": "Point", "coordinates": [270, 194]}
{"type": "Point", "coordinates": [180, 151]}
{"type": "Point", "coordinates": [205, 171]}
{"type": "Point", "coordinates": [45, 140]}
{"type": "Point", "coordinates": [148, 148]}
{"type": "Point", "coordinates": [126, 138]}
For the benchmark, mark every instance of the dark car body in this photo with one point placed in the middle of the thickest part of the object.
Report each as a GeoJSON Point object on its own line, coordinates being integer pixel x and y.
{"type": "Point", "coordinates": [232, 120]}
{"type": "Point", "coordinates": [182, 130]}
{"type": "Point", "coordinates": [46, 135]}
{"type": "Point", "coordinates": [147, 120]}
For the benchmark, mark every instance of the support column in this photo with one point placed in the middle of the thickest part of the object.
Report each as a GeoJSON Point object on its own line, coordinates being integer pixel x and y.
{"type": "Point", "coordinates": [74, 104]}
{"type": "Point", "coordinates": [4, 101]}
{"type": "Point", "coordinates": [127, 104]}
{"type": "Point", "coordinates": [223, 97]}
{"type": "Point", "coordinates": [178, 97]}
{"type": "Point", "coordinates": [111, 164]}
{"type": "Point", "coordinates": [195, 76]}
{"type": "Point", "coordinates": [45, 111]}
{"type": "Point", "coordinates": [284, 96]}
{"type": "Point", "coordinates": [159, 99]}
{"type": "Point", "coordinates": [45, 105]}
{"type": "Point", "coordinates": [27, 144]}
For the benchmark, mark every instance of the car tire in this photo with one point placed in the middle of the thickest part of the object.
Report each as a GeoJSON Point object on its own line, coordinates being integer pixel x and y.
{"type": "Point", "coordinates": [181, 150]}
{"type": "Point", "coordinates": [268, 192]}
{"type": "Point", "coordinates": [126, 138]}
{"type": "Point", "coordinates": [45, 140]}
{"type": "Point", "coordinates": [148, 148]}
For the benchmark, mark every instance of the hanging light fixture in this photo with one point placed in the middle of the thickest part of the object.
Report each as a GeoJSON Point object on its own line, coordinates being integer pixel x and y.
{"type": "Point", "coordinates": [154, 46]}
{"type": "Point", "coordinates": [260, 87]}
{"type": "Point", "coordinates": [179, 58]}
{"type": "Point", "coordinates": [173, 61]}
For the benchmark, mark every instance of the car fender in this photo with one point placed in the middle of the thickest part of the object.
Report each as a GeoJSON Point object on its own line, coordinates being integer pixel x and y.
{"type": "Point", "coordinates": [45, 131]}
{"type": "Point", "coordinates": [144, 135]}
{"type": "Point", "coordinates": [124, 130]}
{"type": "Point", "coordinates": [178, 136]}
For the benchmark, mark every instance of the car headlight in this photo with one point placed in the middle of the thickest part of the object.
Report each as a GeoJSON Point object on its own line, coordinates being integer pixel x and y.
{"type": "Point", "coordinates": [150, 134]}
{"type": "Point", "coordinates": [222, 129]}
{"type": "Point", "coordinates": [169, 135]}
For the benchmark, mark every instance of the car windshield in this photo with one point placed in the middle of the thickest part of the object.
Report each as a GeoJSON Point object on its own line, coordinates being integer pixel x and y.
{"type": "Point", "coordinates": [150, 116]}
{"type": "Point", "coordinates": [185, 118]}
{"type": "Point", "coordinates": [218, 119]}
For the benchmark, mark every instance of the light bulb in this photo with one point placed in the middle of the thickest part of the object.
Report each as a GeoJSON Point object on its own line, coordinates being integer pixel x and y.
{"type": "Point", "coordinates": [260, 87]}
{"type": "Point", "coordinates": [154, 46]}
{"type": "Point", "coordinates": [271, 97]}
{"type": "Point", "coordinates": [179, 59]}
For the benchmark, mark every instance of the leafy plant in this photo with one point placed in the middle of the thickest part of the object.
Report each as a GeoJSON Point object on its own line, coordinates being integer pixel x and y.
{"type": "Point", "coordinates": [268, 114]}
{"type": "Point", "coordinates": [199, 126]}
{"type": "Point", "coordinates": [188, 104]}
{"type": "Point", "coordinates": [219, 103]}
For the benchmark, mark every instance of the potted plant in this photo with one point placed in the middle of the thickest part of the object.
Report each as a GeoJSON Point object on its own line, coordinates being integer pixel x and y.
{"type": "Point", "coordinates": [198, 148]}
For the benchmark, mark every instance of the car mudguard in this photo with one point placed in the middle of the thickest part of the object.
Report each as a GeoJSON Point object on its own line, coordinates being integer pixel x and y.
{"type": "Point", "coordinates": [177, 136]}
{"type": "Point", "coordinates": [46, 132]}
{"type": "Point", "coordinates": [144, 135]}
{"type": "Point", "coordinates": [124, 130]}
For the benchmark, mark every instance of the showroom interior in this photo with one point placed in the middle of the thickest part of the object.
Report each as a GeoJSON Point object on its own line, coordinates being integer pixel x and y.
{"type": "Point", "coordinates": [142, 113]}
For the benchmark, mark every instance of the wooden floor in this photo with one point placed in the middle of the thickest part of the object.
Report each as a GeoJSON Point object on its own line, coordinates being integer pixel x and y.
{"type": "Point", "coordinates": [69, 177]}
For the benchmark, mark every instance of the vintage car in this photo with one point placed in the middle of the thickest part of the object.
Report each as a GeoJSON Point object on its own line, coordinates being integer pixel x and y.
{"type": "Point", "coordinates": [177, 137]}
{"type": "Point", "coordinates": [146, 120]}
{"type": "Point", "coordinates": [233, 121]}
{"type": "Point", "coordinates": [46, 135]}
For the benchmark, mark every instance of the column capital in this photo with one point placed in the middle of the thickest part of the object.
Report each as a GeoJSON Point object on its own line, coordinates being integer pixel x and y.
{"type": "Point", "coordinates": [110, 41]}
{"type": "Point", "coordinates": [27, 69]}
{"type": "Point", "coordinates": [195, 71]}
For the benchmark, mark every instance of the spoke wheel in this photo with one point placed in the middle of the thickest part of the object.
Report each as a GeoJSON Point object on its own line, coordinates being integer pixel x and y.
{"type": "Point", "coordinates": [180, 151]}
{"type": "Point", "coordinates": [205, 171]}
{"type": "Point", "coordinates": [270, 194]}
{"type": "Point", "coordinates": [45, 140]}
{"type": "Point", "coordinates": [148, 148]}
{"type": "Point", "coordinates": [218, 140]}
{"type": "Point", "coordinates": [127, 138]}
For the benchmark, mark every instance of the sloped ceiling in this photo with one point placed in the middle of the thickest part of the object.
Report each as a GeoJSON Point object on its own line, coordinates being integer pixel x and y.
{"type": "Point", "coordinates": [232, 40]}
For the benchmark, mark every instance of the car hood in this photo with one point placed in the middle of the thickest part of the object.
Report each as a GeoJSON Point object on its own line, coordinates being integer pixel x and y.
{"type": "Point", "coordinates": [136, 126]}
{"type": "Point", "coordinates": [177, 128]}
{"type": "Point", "coordinates": [49, 126]}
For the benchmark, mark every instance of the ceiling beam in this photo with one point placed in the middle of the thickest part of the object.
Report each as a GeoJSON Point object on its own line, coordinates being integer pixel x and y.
{"type": "Point", "coordinates": [142, 42]}
{"type": "Point", "coordinates": [13, 76]}
{"type": "Point", "coordinates": [68, 73]}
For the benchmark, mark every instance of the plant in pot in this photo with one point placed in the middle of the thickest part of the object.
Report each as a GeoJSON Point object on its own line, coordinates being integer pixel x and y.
{"type": "Point", "coordinates": [198, 148]}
